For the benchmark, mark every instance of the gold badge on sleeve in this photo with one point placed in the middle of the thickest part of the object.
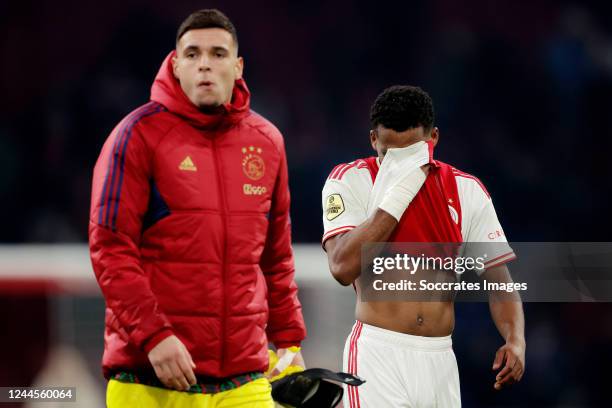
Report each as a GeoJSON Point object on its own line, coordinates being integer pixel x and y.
{"type": "Point", "coordinates": [334, 206]}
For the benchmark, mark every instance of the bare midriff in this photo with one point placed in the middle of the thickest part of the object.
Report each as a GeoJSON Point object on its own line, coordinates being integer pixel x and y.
{"type": "Point", "coordinates": [418, 318]}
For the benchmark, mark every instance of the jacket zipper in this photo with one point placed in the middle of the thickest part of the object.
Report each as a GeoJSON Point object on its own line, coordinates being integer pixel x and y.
{"type": "Point", "coordinates": [224, 214]}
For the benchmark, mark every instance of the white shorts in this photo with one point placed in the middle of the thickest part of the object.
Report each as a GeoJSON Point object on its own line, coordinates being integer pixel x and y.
{"type": "Point", "coordinates": [400, 370]}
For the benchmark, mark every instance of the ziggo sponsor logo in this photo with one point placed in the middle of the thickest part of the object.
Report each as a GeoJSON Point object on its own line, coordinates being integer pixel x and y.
{"type": "Point", "coordinates": [249, 189]}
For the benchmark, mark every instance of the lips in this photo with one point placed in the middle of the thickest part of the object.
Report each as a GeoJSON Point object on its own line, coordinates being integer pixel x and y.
{"type": "Point", "coordinates": [205, 84]}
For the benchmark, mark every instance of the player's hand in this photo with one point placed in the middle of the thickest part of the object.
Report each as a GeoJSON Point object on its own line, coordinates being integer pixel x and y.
{"type": "Point", "coordinates": [511, 357]}
{"type": "Point", "coordinates": [173, 364]}
{"type": "Point", "coordinates": [397, 198]}
{"type": "Point", "coordinates": [297, 360]}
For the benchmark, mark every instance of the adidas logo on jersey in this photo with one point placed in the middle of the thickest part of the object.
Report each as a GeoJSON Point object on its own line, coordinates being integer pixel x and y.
{"type": "Point", "coordinates": [187, 165]}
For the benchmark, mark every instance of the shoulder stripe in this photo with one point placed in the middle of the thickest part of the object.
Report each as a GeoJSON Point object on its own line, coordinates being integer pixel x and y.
{"type": "Point", "coordinates": [345, 169]}
{"type": "Point", "coordinates": [112, 163]}
{"type": "Point", "coordinates": [334, 170]}
{"type": "Point", "coordinates": [340, 170]}
{"type": "Point", "coordinates": [115, 170]}
{"type": "Point", "coordinates": [337, 170]}
{"type": "Point", "coordinates": [158, 108]}
{"type": "Point", "coordinates": [458, 173]}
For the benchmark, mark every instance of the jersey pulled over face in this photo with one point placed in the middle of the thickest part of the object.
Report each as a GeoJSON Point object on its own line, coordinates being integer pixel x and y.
{"type": "Point", "coordinates": [347, 191]}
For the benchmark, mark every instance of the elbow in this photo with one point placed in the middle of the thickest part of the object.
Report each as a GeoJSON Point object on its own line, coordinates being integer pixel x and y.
{"type": "Point", "coordinates": [342, 275]}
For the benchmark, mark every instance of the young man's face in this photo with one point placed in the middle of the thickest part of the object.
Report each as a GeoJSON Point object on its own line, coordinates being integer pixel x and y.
{"type": "Point", "coordinates": [207, 65]}
{"type": "Point", "coordinates": [383, 138]}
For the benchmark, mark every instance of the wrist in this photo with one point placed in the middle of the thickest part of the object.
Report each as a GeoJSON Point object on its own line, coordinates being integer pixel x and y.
{"type": "Point", "coordinates": [399, 197]}
{"type": "Point", "coordinates": [395, 208]}
{"type": "Point", "coordinates": [154, 340]}
{"type": "Point", "coordinates": [516, 340]}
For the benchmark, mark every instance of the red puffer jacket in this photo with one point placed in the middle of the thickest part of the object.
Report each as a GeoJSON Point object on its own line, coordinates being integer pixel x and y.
{"type": "Point", "coordinates": [189, 234]}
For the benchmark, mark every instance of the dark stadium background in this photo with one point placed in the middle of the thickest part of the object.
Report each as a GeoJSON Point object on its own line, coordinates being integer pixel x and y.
{"type": "Point", "coordinates": [523, 97]}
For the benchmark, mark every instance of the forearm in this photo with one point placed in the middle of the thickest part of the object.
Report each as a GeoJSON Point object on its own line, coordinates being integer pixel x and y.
{"type": "Point", "coordinates": [506, 308]}
{"type": "Point", "coordinates": [285, 321]}
{"type": "Point", "coordinates": [116, 264]}
{"type": "Point", "coordinates": [509, 320]}
{"type": "Point", "coordinates": [344, 251]}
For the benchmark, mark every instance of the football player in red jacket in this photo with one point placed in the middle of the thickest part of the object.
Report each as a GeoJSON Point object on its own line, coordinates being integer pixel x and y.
{"type": "Point", "coordinates": [190, 236]}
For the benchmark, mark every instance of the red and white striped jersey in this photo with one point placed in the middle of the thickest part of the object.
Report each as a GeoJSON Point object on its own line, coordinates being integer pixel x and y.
{"type": "Point", "coordinates": [347, 190]}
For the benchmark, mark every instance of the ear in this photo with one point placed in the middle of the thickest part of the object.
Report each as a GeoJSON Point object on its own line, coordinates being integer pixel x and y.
{"type": "Point", "coordinates": [175, 69]}
{"type": "Point", "coordinates": [374, 140]}
{"type": "Point", "coordinates": [239, 68]}
{"type": "Point", "coordinates": [435, 135]}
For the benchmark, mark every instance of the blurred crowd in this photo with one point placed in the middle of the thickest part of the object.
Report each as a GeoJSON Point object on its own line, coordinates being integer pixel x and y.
{"type": "Point", "coordinates": [522, 92]}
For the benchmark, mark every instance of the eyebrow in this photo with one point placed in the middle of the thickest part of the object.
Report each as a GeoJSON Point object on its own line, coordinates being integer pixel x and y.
{"type": "Point", "coordinates": [213, 48]}
{"type": "Point", "coordinates": [220, 48]}
{"type": "Point", "coordinates": [191, 48]}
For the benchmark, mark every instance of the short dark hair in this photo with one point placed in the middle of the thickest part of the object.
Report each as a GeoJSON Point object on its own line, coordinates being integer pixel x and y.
{"type": "Point", "coordinates": [207, 18]}
{"type": "Point", "coordinates": [402, 107]}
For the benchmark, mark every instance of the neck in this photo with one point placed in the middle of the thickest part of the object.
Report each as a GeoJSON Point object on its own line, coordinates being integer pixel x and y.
{"type": "Point", "coordinates": [211, 110]}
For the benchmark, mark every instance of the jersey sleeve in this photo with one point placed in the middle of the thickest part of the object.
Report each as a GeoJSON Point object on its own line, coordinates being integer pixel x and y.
{"type": "Point", "coordinates": [120, 192]}
{"type": "Point", "coordinates": [344, 201]}
{"type": "Point", "coordinates": [483, 234]}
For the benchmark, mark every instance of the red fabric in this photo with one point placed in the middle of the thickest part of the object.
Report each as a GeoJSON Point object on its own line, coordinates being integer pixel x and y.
{"type": "Point", "coordinates": [427, 218]}
{"type": "Point", "coordinates": [200, 250]}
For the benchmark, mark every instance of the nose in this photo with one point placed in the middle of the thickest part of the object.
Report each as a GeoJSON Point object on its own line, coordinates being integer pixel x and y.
{"type": "Point", "coordinates": [204, 63]}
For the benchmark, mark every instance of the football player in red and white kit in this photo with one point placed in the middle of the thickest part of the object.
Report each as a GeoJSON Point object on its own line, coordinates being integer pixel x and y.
{"type": "Point", "coordinates": [404, 349]}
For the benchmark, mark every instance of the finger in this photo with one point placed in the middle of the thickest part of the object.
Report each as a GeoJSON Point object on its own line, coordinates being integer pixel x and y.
{"type": "Point", "coordinates": [191, 363]}
{"type": "Point", "coordinates": [187, 370]}
{"type": "Point", "coordinates": [504, 383]}
{"type": "Point", "coordinates": [298, 360]}
{"type": "Point", "coordinates": [189, 358]}
{"type": "Point", "coordinates": [183, 383]}
{"type": "Point", "coordinates": [510, 363]}
{"type": "Point", "coordinates": [164, 375]}
{"type": "Point", "coordinates": [169, 380]}
{"type": "Point", "coordinates": [503, 374]}
{"type": "Point", "coordinates": [158, 371]}
{"type": "Point", "coordinates": [516, 370]}
{"type": "Point", "coordinates": [507, 379]}
{"type": "Point", "coordinates": [499, 358]}
{"type": "Point", "coordinates": [179, 377]}
{"type": "Point", "coordinates": [273, 373]}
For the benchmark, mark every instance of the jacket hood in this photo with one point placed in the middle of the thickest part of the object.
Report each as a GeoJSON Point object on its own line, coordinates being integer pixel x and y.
{"type": "Point", "coordinates": [167, 91]}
